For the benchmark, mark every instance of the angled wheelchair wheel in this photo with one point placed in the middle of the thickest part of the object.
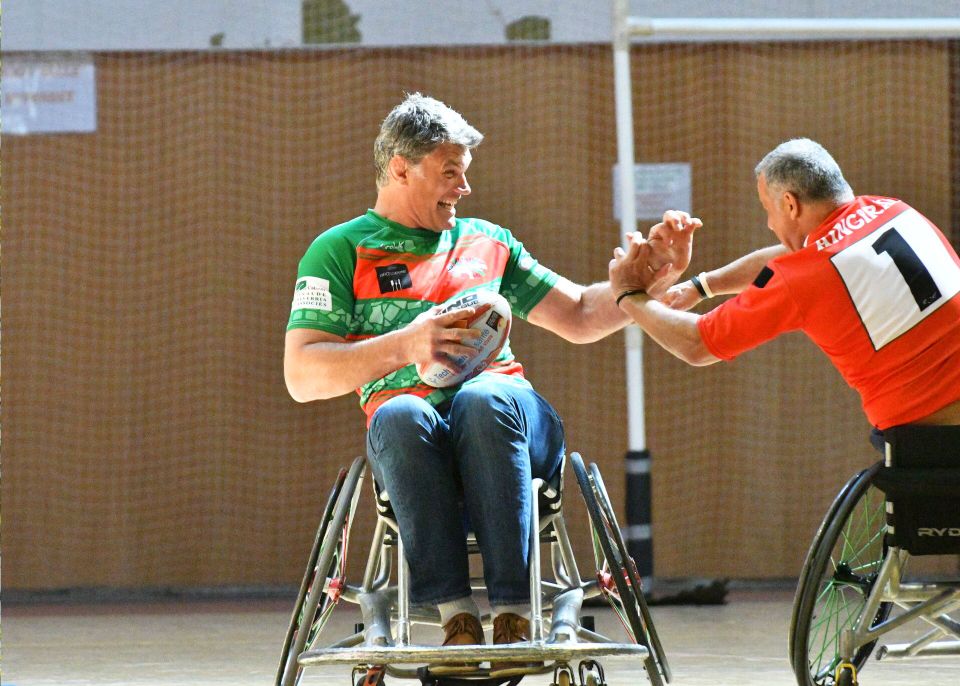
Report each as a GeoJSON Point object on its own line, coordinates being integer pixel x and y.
{"type": "Point", "coordinates": [840, 570]}
{"type": "Point", "coordinates": [617, 572]}
{"type": "Point", "coordinates": [325, 575]}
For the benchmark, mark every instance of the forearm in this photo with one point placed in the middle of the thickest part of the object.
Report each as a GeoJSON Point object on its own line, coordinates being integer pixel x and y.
{"type": "Point", "coordinates": [736, 276]}
{"type": "Point", "coordinates": [580, 314]}
{"type": "Point", "coordinates": [330, 368]}
{"type": "Point", "coordinates": [675, 331]}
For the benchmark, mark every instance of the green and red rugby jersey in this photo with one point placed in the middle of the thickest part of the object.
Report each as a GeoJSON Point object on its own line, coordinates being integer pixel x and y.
{"type": "Point", "coordinates": [877, 288]}
{"type": "Point", "coordinates": [370, 275]}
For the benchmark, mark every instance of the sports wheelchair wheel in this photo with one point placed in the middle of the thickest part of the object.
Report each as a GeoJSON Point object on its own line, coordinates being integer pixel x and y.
{"type": "Point", "coordinates": [617, 571]}
{"type": "Point", "coordinates": [327, 565]}
{"type": "Point", "coordinates": [840, 570]}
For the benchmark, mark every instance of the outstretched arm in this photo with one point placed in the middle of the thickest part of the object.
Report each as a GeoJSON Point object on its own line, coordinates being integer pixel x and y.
{"type": "Point", "coordinates": [727, 280]}
{"type": "Point", "coordinates": [675, 331]}
{"type": "Point", "coordinates": [580, 314]}
{"type": "Point", "coordinates": [583, 314]}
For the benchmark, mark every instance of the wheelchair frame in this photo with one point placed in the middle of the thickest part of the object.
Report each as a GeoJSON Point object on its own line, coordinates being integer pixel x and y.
{"type": "Point", "coordinates": [852, 558]}
{"type": "Point", "coordinates": [384, 644]}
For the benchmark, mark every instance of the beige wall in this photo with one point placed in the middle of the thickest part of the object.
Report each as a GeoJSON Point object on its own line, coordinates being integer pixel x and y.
{"type": "Point", "coordinates": [148, 270]}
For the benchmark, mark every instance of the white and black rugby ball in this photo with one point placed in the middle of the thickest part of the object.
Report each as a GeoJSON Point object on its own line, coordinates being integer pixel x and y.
{"type": "Point", "coordinates": [492, 319]}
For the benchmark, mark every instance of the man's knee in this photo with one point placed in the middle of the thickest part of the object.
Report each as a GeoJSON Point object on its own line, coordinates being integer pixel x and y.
{"type": "Point", "coordinates": [400, 419]}
{"type": "Point", "coordinates": [482, 408]}
{"type": "Point", "coordinates": [401, 411]}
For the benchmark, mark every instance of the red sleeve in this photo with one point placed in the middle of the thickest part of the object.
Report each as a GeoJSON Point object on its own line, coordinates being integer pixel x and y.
{"type": "Point", "coordinates": [757, 315]}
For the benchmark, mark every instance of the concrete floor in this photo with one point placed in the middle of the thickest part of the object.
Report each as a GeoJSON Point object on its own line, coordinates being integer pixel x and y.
{"type": "Point", "coordinates": [217, 642]}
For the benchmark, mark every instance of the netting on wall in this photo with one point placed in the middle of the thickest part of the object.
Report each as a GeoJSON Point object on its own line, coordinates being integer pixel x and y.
{"type": "Point", "coordinates": [149, 267]}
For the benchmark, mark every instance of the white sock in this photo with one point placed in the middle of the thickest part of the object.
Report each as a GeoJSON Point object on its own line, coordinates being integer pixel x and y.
{"type": "Point", "coordinates": [522, 609]}
{"type": "Point", "coordinates": [452, 608]}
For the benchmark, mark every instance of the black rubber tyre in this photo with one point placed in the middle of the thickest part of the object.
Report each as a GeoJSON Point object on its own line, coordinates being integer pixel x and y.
{"type": "Point", "coordinates": [838, 575]}
{"type": "Point", "coordinates": [327, 562]}
{"type": "Point", "coordinates": [625, 594]}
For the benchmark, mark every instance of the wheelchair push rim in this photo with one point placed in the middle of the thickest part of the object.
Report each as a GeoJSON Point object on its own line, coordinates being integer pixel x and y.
{"type": "Point", "coordinates": [327, 562]}
{"type": "Point", "coordinates": [309, 573]}
{"type": "Point", "coordinates": [617, 571]}
{"type": "Point", "coordinates": [842, 566]}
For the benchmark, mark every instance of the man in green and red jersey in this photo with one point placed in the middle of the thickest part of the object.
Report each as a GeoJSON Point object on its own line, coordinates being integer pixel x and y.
{"type": "Point", "coordinates": [365, 312]}
{"type": "Point", "coordinates": [869, 279]}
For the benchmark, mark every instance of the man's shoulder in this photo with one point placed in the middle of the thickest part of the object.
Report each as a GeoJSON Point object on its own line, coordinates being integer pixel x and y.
{"type": "Point", "coordinates": [475, 225]}
{"type": "Point", "coordinates": [355, 228]}
{"type": "Point", "coordinates": [351, 232]}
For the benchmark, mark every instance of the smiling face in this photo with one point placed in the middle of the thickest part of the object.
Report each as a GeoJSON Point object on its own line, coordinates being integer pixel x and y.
{"type": "Point", "coordinates": [426, 194]}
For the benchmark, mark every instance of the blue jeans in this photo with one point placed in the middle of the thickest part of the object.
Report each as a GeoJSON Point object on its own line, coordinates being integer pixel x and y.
{"type": "Point", "coordinates": [481, 450]}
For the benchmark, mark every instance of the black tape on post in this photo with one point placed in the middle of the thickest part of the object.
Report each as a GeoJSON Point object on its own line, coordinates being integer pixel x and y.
{"type": "Point", "coordinates": [639, 532]}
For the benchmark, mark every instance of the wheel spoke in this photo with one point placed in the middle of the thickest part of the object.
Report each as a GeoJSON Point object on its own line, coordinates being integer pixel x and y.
{"type": "Point", "coordinates": [838, 580]}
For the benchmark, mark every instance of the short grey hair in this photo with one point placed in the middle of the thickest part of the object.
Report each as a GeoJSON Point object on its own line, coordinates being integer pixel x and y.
{"type": "Point", "coordinates": [417, 126]}
{"type": "Point", "coordinates": [806, 169]}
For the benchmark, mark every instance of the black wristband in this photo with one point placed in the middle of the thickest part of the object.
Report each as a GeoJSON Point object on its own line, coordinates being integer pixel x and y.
{"type": "Point", "coordinates": [695, 280]}
{"type": "Point", "coordinates": [627, 294]}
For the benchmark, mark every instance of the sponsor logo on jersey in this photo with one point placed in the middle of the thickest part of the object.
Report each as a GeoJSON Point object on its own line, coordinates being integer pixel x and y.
{"type": "Point", "coordinates": [468, 268]}
{"type": "Point", "coordinates": [395, 246]}
{"type": "Point", "coordinates": [854, 221]}
{"type": "Point", "coordinates": [312, 293]}
{"type": "Point", "coordinates": [393, 277]}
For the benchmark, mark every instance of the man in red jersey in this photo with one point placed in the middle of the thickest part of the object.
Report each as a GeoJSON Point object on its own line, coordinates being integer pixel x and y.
{"type": "Point", "coordinates": [869, 279]}
{"type": "Point", "coordinates": [366, 311]}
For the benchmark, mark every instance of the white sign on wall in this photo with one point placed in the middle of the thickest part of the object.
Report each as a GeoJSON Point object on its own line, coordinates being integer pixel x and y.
{"type": "Point", "coordinates": [657, 188]}
{"type": "Point", "coordinates": [48, 93]}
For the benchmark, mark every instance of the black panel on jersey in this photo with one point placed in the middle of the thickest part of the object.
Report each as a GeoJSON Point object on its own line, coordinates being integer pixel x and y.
{"type": "Point", "coordinates": [763, 277]}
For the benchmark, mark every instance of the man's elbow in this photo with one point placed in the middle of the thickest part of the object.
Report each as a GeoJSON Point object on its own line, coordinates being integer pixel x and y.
{"type": "Point", "coordinates": [296, 389]}
{"type": "Point", "coordinates": [580, 336]}
{"type": "Point", "coordinates": [697, 355]}
{"type": "Point", "coordinates": [300, 386]}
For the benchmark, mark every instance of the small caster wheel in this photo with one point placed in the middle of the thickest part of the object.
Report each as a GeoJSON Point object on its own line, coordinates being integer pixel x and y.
{"type": "Point", "coordinates": [562, 676]}
{"type": "Point", "coordinates": [373, 676]}
{"type": "Point", "coordinates": [591, 674]}
{"type": "Point", "coordinates": [846, 675]}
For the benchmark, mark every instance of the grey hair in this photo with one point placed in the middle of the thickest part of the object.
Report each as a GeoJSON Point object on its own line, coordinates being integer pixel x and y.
{"type": "Point", "coordinates": [417, 126]}
{"type": "Point", "coordinates": [807, 170]}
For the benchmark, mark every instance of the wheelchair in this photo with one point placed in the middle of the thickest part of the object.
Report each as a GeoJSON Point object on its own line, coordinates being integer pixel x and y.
{"type": "Point", "coordinates": [384, 644]}
{"type": "Point", "coordinates": [855, 572]}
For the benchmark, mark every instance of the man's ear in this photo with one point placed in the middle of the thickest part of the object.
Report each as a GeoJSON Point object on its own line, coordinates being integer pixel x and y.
{"type": "Point", "coordinates": [398, 169]}
{"type": "Point", "coordinates": [791, 204]}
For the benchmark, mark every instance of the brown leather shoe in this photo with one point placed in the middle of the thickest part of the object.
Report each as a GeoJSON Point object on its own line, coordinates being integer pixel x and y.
{"type": "Point", "coordinates": [463, 630]}
{"type": "Point", "coordinates": [511, 628]}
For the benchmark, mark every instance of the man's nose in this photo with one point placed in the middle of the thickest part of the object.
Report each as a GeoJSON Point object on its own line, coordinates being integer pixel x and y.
{"type": "Point", "coordinates": [463, 188]}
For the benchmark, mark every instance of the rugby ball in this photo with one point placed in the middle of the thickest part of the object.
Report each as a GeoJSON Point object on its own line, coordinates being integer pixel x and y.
{"type": "Point", "coordinates": [492, 319]}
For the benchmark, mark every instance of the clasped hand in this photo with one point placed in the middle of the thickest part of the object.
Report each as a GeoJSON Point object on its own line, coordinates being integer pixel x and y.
{"type": "Point", "coordinates": [654, 263]}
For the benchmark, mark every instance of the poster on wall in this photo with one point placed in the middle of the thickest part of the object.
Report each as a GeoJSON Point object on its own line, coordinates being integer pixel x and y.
{"type": "Point", "coordinates": [657, 188]}
{"type": "Point", "coordinates": [48, 93]}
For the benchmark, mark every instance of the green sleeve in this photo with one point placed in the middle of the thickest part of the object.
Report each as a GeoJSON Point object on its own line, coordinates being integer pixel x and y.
{"type": "Point", "coordinates": [525, 281]}
{"type": "Point", "coordinates": [323, 295]}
